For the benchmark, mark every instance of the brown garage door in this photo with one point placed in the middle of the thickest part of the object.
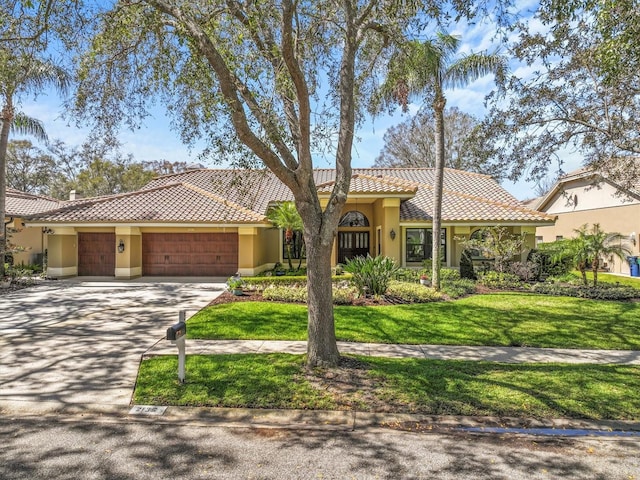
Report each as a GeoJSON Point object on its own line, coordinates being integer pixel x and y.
{"type": "Point", "coordinates": [96, 254]}
{"type": "Point", "coordinates": [190, 254]}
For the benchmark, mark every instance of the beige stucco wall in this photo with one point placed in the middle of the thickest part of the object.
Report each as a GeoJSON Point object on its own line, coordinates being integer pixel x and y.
{"type": "Point", "coordinates": [580, 202]}
{"type": "Point", "coordinates": [31, 241]}
{"type": "Point", "coordinates": [622, 219]}
{"type": "Point", "coordinates": [583, 195]}
{"type": "Point", "coordinates": [390, 220]}
{"type": "Point", "coordinates": [62, 253]}
{"type": "Point", "coordinates": [128, 262]}
{"type": "Point", "coordinates": [258, 249]}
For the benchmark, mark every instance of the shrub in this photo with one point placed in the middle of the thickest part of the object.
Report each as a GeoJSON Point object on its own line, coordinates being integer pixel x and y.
{"type": "Point", "coordinates": [526, 271]}
{"type": "Point", "coordinates": [413, 292]}
{"type": "Point", "coordinates": [449, 275]}
{"type": "Point", "coordinates": [371, 275]}
{"type": "Point", "coordinates": [601, 292]}
{"type": "Point", "coordinates": [344, 295]}
{"type": "Point", "coordinates": [407, 275]}
{"type": "Point", "coordinates": [298, 294]}
{"type": "Point", "coordinates": [262, 282]}
{"type": "Point", "coordinates": [547, 264]}
{"type": "Point", "coordinates": [466, 266]}
{"type": "Point", "coordinates": [500, 280]}
{"type": "Point", "coordinates": [458, 288]}
{"type": "Point", "coordinates": [283, 293]}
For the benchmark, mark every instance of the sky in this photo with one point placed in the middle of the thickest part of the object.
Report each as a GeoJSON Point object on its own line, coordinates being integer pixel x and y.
{"type": "Point", "coordinates": [155, 140]}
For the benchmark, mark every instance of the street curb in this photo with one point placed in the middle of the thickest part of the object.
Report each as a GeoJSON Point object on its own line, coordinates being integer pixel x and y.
{"type": "Point", "coordinates": [344, 421]}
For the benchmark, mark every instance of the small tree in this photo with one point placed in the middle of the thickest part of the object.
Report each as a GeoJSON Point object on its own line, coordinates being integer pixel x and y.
{"type": "Point", "coordinates": [603, 244]}
{"type": "Point", "coordinates": [498, 244]}
{"type": "Point", "coordinates": [286, 216]}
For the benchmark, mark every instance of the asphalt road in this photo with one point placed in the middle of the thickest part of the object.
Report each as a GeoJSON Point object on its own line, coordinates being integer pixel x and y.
{"type": "Point", "coordinates": [45, 448]}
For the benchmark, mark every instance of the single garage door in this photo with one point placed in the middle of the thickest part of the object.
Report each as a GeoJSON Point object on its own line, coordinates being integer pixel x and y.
{"type": "Point", "coordinates": [190, 254]}
{"type": "Point", "coordinates": [97, 254]}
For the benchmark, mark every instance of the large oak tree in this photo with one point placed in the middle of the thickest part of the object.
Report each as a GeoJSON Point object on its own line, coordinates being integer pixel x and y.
{"type": "Point", "coordinates": [272, 80]}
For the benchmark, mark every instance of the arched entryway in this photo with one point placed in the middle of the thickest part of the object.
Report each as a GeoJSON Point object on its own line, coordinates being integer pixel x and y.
{"type": "Point", "coordinates": [355, 241]}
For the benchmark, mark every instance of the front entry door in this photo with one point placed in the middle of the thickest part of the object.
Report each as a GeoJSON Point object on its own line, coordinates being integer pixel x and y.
{"type": "Point", "coordinates": [352, 244]}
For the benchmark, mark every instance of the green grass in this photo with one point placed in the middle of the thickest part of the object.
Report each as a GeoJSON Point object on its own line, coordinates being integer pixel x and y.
{"type": "Point", "coordinates": [406, 385]}
{"type": "Point", "coordinates": [609, 278]}
{"type": "Point", "coordinates": [507, 319]}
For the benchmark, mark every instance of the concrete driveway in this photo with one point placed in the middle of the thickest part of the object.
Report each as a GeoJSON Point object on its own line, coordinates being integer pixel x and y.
{"type": "Point", "coordinates": [76, 345]}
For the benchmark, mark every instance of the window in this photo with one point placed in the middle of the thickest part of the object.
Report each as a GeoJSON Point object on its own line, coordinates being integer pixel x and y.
{"type": "Point", "coordinates": [354, 219]}
{"type": "Point", "coordinates": [559, 237]}
{"type": "Point", "coordinates": [539, 239]}
{"type": "Point", "coordinates": [419, 244]}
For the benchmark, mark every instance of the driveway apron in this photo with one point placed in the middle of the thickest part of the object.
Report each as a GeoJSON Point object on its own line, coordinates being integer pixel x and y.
{"type": "Point", "coordinates": [77, 344]}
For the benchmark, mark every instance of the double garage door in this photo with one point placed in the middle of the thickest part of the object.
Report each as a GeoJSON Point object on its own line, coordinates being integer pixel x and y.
{"type": "Point", "coordinates": [163, 254]}
{"type": "Point", "coordinates": [189, 254]}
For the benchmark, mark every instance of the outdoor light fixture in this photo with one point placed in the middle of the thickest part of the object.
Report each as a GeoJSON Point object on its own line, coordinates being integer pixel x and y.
{"type": "Point", "coordinates": [392, 234]}
{"type": "Point", "coordinates": [632, 238]}
{"type": "Point", "coordinates": [121, 246]}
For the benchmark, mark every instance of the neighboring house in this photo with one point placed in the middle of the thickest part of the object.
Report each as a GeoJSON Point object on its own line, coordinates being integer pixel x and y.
{"type": "Point", "coordinates": [30, 242]}
{"type": "Point", "coordinates": [213, 222]}
{"type": "Point", "coordinates": [584, 197]}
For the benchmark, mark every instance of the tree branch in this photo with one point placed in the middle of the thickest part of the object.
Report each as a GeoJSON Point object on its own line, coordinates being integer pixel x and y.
{"type": "Point", "coordinates": [231, 87]}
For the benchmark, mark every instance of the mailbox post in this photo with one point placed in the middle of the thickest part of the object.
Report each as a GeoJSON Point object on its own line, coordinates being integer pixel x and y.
{"type": "Point", "coordinates": [176, 333]}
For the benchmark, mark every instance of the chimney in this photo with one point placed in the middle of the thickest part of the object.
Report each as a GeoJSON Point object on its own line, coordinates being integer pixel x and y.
{"type": "Point", "coordinates": [75, 195]}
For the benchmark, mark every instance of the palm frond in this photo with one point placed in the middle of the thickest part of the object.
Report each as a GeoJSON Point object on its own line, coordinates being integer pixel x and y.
{"type": "Point", "coordinates": [43, 73]}
{"type": "Point", "coordinates": [474, 66]}
{"type": "Point", "coordinates": [24, 125]}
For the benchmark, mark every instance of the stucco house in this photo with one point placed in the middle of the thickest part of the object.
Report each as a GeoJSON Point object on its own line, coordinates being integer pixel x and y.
{"type": "Point", "coordinates": [213, 222]}
{"type": "Point", "coordinates": [32, 242]}
{"type": "Point", "coordinates": [586, 197]}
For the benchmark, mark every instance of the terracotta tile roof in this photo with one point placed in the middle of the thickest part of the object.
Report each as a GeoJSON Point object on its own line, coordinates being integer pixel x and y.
{"type": "Point", "coordinates": [20, 204]}
{"type": "Point", "coordinates": [244, 196]}
{"type": "Point", "coordinates": [175, 202]}
{"type": "Point", "coordinates": [381, 184]}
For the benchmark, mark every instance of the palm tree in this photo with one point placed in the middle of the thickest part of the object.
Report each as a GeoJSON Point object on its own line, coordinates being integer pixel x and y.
{"type": "Point", "coordinates": [603, 244]}
{"type": "Point", "coordinates": [427, 69]}
{"type": "Point", "coordinates": [286, 216]}
{"type": "Point", "coordinates": [21, 74]}
{"type": "Point", "coordinates": [588, 247]}
{"type": "Point", "coordinates": [576, 249]}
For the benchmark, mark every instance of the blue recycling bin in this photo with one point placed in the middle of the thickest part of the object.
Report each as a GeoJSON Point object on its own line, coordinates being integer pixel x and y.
{"type": "Point", "coordinates": [634, 267]}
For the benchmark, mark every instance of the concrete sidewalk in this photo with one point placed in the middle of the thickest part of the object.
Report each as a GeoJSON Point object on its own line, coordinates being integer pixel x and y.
{"type": "Point", "coordinates": [439, 352]}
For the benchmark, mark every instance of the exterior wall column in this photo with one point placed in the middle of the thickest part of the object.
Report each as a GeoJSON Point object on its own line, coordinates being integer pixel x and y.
{"type": "Point", "coordinates": [129, 261]}
{"type": "Point", "coordinates": [391, 221]}
{"type": "Point", "coordinates": [529, 240]}
{"type": "Point", "coordinates": [62, 253]}
{"type": "Point", "coordinates": [247, 250]}
{"type": "Point", "coordinates": [463, 233]}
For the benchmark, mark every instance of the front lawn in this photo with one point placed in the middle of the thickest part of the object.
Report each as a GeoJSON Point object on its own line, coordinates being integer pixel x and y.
{"type": "Point", "coordinates": [398, 385]}
{"type": "Point", "coordinates": [505, 319]}
{"type": "Point", "coordinates": [610, 278]}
